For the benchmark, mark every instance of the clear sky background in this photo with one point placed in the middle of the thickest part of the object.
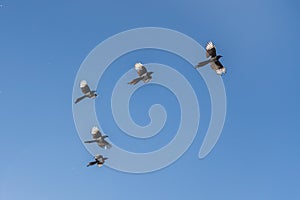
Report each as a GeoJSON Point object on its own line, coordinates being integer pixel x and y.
{"type": "Point", "coordinates": [43, 43]}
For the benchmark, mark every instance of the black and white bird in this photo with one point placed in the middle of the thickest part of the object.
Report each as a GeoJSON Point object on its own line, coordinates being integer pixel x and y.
{"type": "Point", "coordinates": [99, 160]}
{"type": "Point", "coordinates": [213, 60]}
{"type": "Point", "coordinates": [143, 74]}
{"type": "Point", "coordinates": [99, 138]}
{"type": "Point", "coordinates": [85, 89]}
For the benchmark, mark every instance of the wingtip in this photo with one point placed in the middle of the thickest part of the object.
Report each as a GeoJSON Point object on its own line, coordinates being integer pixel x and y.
{"type": "Point", "coordinates": [83, 83]}
{"type": "Point", "coordinates": [209, 45]}
{"type": "Point", "coordinates": [95, 128]}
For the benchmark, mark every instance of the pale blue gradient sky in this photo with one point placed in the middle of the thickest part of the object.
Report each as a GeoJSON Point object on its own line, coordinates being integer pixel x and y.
{"type": "Point", "coordinates": [42, 44]}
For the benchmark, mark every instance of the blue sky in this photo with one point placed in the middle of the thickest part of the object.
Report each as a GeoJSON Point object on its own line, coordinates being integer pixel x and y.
{"type": "Point", "coordinates": [43, 43]}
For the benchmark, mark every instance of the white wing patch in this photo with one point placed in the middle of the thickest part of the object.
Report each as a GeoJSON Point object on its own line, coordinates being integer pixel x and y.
{"type": "Point", "coordinates": [210, 45]}
{"type": "Point", "coordinates": [221, 71]}
{"type": "Point", "coordinates": [95, 130]}
{"type": "Point", "coordinates": [83, 83]}
{"type": "Point", "coordinates": [138, 66]}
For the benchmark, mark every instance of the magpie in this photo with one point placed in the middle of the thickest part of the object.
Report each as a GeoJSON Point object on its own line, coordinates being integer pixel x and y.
{"type": "Point", "coordinates": [99, 138]}
{"type": "Point", "coordinates": [99, 160]}
{"type": "Point", "coordinates": [143, 74]}
{"type": "Point", "coordinates": [215, 64]}
{"type": "Point", "coordinates": [85, 89]}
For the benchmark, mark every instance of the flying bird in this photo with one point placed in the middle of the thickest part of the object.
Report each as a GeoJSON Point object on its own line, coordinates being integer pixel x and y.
{"type": "Point", "coordinates": [99, 138]}
{"type": "Point", "coordinates": [143, 74]}
{"type": "Point", "coordinates": [99, 160]}
{"type": "Point", "coordinates": [213, 60]}
{"type": "Point", "coordinates": [85, 89]}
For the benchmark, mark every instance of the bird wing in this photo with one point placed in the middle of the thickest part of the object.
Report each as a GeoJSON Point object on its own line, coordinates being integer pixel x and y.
{"type": "Point", "coordinates": [96, 132]}
{"type": "Point", "coordinates": [84, 87]}
{"type": "Point", "coordinates": [210, 50]}
{"type": "Point", "coordinates": [216, 65]}
{"type": "Point", "coordinates": [79, 99]}
{"type": "Point", "coordinates": [201, 64]}
{"type": "Point", "coordinates": [135, 81]}
{"type": "Point", "coordinates": [141, 70]}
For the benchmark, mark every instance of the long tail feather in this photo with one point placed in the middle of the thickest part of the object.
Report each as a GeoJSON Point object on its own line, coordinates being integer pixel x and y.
{"type": "Point", "coordinates": [200, 64]}
{"type": "Point", "coordinates": [79, 99]}
{"type": "Point", "coordinates": [135, 81]}
{"type": "Point", "coordinates": [90, 141]}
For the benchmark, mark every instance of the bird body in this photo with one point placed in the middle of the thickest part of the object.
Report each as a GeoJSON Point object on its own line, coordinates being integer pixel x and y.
{"type": "Point", "coordinates": [215, 64]}
{"type": "Point", "coordinates": [144, 75]}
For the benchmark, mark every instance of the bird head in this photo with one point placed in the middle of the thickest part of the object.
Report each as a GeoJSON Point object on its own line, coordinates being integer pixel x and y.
{"type": "Point", "coordinates": [219, 56]}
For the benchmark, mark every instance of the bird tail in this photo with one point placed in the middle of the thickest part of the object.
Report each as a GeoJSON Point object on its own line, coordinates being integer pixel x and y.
{"type": "Point", "coordinates": [135, 81]}
{"type": "Point", "coordinates": [91, 163]}
{"type": "Point", "coordinates": [90, 141]}
{"type": "Point", "coordinates": [200, 64]}
{"type": "Point", "coordinates": [79, 99]}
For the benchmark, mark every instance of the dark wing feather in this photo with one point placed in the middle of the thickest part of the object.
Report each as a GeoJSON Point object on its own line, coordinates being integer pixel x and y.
{"type": "Point", "coordinates": [219, 64]}
{"type": "Point", "coordinates": [211, 50]}
{"type": "Point", "coordinates": [216, 65]}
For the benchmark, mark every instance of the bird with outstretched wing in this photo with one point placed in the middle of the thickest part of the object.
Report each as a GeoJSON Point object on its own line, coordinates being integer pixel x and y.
{"type": "Point", "coordinates": [99, 138]}
{"type": "Point", "coordinates": [143, 74]}
{"type": "Point", "coordinates": [85, 89]}
{"type": "Point", "coordinates": [215, 64]}
{"type": "Point", "coordinates": [99, 160]}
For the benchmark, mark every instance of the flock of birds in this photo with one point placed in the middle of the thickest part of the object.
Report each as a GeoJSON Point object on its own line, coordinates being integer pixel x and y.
{"type": "Point", "coordinates": [145, 76]}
